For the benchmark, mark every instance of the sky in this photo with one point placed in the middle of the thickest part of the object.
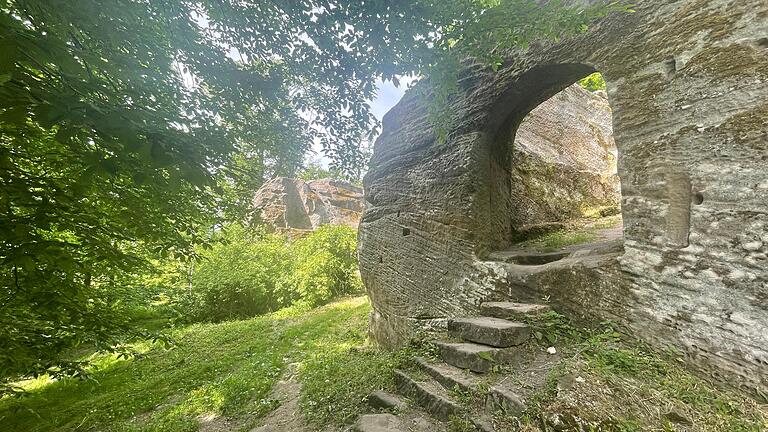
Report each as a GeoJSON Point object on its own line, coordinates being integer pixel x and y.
{"type": "Point", "coordinates": [387, 96]}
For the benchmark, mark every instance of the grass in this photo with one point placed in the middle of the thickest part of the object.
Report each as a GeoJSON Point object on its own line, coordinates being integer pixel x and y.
{"type": "Point", "coordinates": [216, 371]}
{"type": "Point", "coordinates": [337, 380]}
{"type": "Point", "coordinates": [623, 385]}
{"type": "Point", "coordinates": [583, 231]}
{"type": "Point", "coordinates": [225, 373]}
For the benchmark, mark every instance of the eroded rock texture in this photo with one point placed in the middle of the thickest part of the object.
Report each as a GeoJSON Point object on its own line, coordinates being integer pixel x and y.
{"type": "Point", "coordinates": [688, 84]}
{"type": "Point", "coordinates": [293, 204]}
{"type": "Point", "coordinates": [563, 160]}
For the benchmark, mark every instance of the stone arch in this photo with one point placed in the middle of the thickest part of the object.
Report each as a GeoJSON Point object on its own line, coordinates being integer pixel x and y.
{"type": "Point", "coordinates": [529, 90]}
{"type": "Point", "coordinates": [525, 95]}
{"type": "Point", "coordinates": [687, 85]}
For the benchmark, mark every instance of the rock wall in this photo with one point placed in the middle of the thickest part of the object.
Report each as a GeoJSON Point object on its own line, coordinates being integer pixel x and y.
{"type": "Point", "coordinates": [295, 205]}
{"type": "Point", "coordinates": [687, 81]}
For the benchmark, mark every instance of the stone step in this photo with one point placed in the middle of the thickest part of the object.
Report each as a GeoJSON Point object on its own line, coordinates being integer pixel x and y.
{"type": "Point", "coordinates": [449, 376]}
{"type": "Point", "coordinates": [381, 399]}
{"type": "Point", "coordinates": [378, 423]}
{"type": "Point", "coordinates": [476, 357]}
{"type": "Point", "coordinates": [510, 310]}
{"type": "Point", "coordinates": [496, 332]}
{"type": "Point", "coordinates": [428, 394]}
{"type": "Point", "coordinates": [504, 398]}
{"type": "Point", "coordinates": [527, 257]}
{"type": "Point", "coordinates": [405, 422]}
{"type": "Point", "coordinates": [499, 397]}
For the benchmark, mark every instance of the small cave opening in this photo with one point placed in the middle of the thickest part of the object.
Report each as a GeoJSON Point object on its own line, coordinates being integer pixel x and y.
{"type": "Point", "coordinates": [554, 183]}
{"type": "Point", "coordinates": [698, 198]}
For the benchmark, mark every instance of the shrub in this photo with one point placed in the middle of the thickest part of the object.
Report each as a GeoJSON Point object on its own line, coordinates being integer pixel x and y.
{"type": "Point", "coordinates": [324, 266]}
{"type": "Point", "coordinates": [251, 272]}
{"type": "Point", "coordinates": [238, 277]}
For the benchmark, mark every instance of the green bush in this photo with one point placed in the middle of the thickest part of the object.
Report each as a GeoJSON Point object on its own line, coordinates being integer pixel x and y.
{"type": "Point", "coordinates": [324, 266]}
{"type": "Point", "coordinates": [251, 272]}
{"type": "Point", "coordinates": [238, 277]}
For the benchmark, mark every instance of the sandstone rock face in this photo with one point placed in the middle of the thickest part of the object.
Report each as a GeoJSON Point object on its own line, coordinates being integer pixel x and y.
{"type": "Point", "coordinates": [293, 204]}
{"type": "Point", "coordinates": [563, 159]}
{"type": "Point", "coordinates": [687, 81]}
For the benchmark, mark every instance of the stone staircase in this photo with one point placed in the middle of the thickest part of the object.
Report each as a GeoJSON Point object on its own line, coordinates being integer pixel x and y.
{"type": "Point", "coordinates": [484, 343]}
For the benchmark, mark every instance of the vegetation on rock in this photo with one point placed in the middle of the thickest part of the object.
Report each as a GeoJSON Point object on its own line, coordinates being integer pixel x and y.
{"type": "Point", "coordinates": [593, 82]}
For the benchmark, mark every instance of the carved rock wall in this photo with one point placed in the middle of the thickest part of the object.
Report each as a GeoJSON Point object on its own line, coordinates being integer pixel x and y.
{"type": "Point", "coordinates": [687, 81]}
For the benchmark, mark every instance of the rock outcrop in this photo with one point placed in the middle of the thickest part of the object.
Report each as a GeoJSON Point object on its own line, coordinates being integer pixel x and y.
{"type": "Point", "coordinates": [296, 205]}
{"type": "Point", "coordinates": [563, 160]}
{"type": "Point", "coordinates": [687, 81]}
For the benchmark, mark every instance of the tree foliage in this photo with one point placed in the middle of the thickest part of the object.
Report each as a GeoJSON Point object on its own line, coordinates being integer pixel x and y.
{"type": "Point", "coordinates": [593, 82]}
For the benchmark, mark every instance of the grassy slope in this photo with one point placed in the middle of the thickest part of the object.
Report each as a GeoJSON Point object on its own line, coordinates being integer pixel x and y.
{"type": "Point", "coordinates": [227, 371]}
{"type": "Point", "coordinates": [223, 369]}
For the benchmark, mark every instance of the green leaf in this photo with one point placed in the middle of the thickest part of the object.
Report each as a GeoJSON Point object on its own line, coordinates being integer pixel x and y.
{"type": "Point", "coordinates": [486, 356]}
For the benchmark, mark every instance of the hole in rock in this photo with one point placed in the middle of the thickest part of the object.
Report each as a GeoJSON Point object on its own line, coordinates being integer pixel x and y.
{"type": "Point", "coordinates": [698, 198]}
{"type": "Point", "coordinates": [406, 232]}
{"type": "Point", "coordinates": [670, 67]}
{"type": "Point", "coordinates": [762, 42]}
{"type": "Point", "coordinates": [553, 164]}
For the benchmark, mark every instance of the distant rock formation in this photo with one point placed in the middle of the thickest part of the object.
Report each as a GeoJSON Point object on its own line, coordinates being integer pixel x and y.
{"type": "Point", "coordinates": [296, 205]}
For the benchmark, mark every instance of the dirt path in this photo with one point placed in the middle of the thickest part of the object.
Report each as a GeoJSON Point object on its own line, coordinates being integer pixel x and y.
{"type": "Point", "coordinates": [287, 417]}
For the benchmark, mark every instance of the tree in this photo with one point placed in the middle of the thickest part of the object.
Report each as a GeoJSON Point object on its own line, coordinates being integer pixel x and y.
{"type": "Point", "coordinates": [136, 125]}
{"type": "Point", "coordinates": [593, 82]}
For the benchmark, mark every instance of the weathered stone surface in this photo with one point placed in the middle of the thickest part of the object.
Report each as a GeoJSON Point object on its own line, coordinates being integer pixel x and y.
{"type": "Point", "coordinates": [428, 394]}
{"type": "Point", "coordinates": [449, 376]}
{"type": "Point", "coordinates": [475, 357]}
{"type": "Point", "coordinates": [506, 399]}
{"type": "Point", "coordinates": [495, 332]}
{"type": "Point", "coordinates": [293, 204]}
{"type": "Point", "coordinates": [563, 159]}
{"type": "Point", "coordinates": [510, 310]}
{"type": "Point", "coordinates": [687, 82]}
{"type": "Point", "coordinates": [378, 423]}
{"type": "Point", "coordinates": [385, 400]}
{"type": "Point", "coordinates": [406, 422]}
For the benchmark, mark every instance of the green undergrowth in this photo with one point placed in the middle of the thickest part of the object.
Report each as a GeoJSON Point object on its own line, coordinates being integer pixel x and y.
{"type": "Point", "coordinates": [337, 381]}
{"type": "Point", "coordinates": [604, 381]}
{"type": "Point", "coordinates": [223, 375]}
{"type": "Point", "coordinates": [214, 372]}
{"type": "Point", "coordinates": [579, 232]}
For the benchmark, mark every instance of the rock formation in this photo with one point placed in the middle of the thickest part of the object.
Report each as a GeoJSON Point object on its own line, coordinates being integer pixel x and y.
{"type": "Point", "coordinates": [295, 205]}
{"type": "Point", "coordinates": [563, 159]}
{"type": "Point", "coordinates": [687, 82]}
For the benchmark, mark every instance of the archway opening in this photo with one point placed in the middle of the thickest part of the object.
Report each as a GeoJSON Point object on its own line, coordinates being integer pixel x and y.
{"type": "Point", "coordinates": [553, 167]}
